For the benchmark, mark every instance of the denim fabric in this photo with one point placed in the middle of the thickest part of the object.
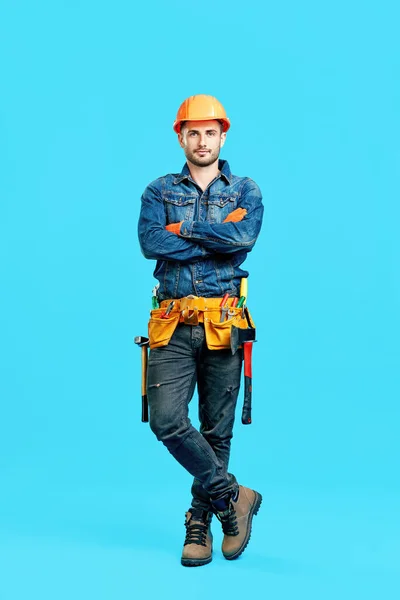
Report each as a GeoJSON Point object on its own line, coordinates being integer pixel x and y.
{"type": "Point", "coordinates": [206, 258]}
{"type": "Point", "coordinates": [173, 371]}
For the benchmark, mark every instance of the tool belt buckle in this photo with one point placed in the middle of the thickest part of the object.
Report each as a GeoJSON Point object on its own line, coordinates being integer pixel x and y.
{"type": "Point", "coordinates": [190, 317]}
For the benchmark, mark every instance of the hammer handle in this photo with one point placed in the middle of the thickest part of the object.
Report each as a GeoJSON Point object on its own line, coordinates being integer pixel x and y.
{"type": "Point", "coordinates": [246, 411]}
{"type": "Point", "coordinates": [248, 387]}
{"type": "Point", "coordinates": [145, 406]}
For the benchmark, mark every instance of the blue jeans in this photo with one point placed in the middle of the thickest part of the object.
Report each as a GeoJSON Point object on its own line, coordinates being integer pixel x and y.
{"type": "Point", "coordinates": [173, 372]}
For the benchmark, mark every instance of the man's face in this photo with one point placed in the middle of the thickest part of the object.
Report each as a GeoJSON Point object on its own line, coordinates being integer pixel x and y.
{"type": "Point", "coordinates": [201, 141]}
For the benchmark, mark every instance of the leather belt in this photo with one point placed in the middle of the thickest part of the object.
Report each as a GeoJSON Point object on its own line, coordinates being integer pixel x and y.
{"type": "Point", "coordinates": [192, 308]}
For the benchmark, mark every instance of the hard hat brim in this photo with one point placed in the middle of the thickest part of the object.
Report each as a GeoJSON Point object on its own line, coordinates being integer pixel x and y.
{"type": "Point", "coordinates": [224, 120]}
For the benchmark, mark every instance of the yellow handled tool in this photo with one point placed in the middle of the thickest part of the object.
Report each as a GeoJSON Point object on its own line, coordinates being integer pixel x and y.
{"type": "Point", "coordinates": [143, 343]}
{"type": "Point", "coordinates": [243, 292]}
{"type": "Point", "coordinates": [243, 287]}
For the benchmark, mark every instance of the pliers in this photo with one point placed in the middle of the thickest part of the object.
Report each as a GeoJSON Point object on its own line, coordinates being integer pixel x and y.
{"type": "Point", "coordinates": [165, 313]}
{"type": "Point", "coordinates": [231, 312]}
{"type": "Point", "coordinates": [224, 307]}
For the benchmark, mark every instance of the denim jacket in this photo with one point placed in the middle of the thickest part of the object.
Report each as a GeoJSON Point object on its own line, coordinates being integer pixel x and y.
{"type": "Point", "coordinates": [206, 257]}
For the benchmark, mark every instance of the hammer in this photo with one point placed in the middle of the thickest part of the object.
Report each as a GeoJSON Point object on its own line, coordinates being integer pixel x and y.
{"type": "Point", "coordinates": [245, 338]}
{"type": "Point", "coordinates": [143, 343]}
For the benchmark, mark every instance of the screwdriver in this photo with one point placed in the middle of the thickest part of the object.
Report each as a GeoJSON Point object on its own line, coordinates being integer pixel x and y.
{"type": "Point", "coordinates": [242, 300]}
{"type": "Point", "coordinates": [154, 299]}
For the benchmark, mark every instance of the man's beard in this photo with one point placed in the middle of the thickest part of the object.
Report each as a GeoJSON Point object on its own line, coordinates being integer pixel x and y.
{"type": "Point", "coordinates": [204, 161]}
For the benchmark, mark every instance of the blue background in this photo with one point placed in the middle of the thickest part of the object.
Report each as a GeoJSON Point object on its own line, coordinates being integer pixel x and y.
{"type": "Point", "coordinates": [91, 505]}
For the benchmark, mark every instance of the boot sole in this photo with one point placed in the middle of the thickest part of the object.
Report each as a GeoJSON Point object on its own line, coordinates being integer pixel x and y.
{"type": "Point", "coordinates": [195, 562]}
{"type": "Point", "coordinates": [254, 510]}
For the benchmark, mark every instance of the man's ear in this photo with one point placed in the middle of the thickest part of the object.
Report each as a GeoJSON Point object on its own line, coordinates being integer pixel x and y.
{"type": "Point", "coordinates": [180, 140]}
{"type": "Point", "coordinates": [223, 138]}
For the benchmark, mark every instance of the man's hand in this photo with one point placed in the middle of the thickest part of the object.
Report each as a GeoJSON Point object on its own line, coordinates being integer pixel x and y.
{"type": "Point", "coordinates": [235, 216]}
{"type": "Point", "coordinates": [174, 227]}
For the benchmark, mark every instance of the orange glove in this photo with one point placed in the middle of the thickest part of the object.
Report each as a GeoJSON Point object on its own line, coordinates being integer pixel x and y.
{"type": "Point", "coordinates": [174, 227]}
{"type": "Point", "coordinates": [235, 216]}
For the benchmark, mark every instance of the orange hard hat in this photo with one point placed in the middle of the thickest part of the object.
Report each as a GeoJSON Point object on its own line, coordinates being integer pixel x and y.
{"type": "Point", "coordinates": [201, 108]}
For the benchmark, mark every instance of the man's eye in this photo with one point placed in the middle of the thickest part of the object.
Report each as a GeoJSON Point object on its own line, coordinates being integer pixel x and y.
{"type": "Point", "coordinates": [211, 133]}
{"type": "Point", "coordinates": [192, 133]}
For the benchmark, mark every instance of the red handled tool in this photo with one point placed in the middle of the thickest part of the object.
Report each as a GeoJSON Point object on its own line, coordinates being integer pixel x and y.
{"type": "Point", "coordinates": [224, 307]}
{"type": "Point", "coordinates": [165, 313]}
{"type": "Point", "coordinates": [245, 338]}
{"type": "Point", "coordinates": [231, 312]}
{"type": "Point", "coordinates": [248, 382]}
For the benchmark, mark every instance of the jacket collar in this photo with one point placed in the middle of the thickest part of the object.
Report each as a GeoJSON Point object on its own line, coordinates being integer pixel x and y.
{"type": "Point", "coordinates": [223, 166]}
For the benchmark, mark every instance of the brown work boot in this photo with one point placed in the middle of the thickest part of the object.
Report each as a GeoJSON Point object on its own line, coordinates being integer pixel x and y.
{"type": "Point", "coordinates": [197, 549]}
{"type": "Point", "coordinates": [236, 518]}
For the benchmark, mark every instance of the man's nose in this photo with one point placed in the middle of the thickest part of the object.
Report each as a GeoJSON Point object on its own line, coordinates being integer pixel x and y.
{"type": "Point", "coordinates": [202, 139]}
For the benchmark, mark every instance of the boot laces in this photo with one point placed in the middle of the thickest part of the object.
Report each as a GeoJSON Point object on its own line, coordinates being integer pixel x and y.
{"type": "Point", "coordinates": [196, 532]}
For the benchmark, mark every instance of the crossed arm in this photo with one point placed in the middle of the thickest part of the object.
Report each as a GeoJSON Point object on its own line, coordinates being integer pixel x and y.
{"type": "Point", "coordinates": [189, 241]}
{"type": "Point", "coordinates": [234, 217]}
{"type": "Point", "coordinates": [156, 241]}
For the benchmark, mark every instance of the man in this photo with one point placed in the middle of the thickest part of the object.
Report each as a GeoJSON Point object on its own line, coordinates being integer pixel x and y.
{"type": "Point", "coordinates": [199, 225]}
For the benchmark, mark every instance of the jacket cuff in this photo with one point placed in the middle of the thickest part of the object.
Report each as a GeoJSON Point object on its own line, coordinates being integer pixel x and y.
{"type": "Point", "coordinates": [186, 229]}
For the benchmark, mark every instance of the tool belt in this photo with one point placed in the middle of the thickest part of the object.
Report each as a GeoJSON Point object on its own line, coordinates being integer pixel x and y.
{"type": "Point", "coordinates": [193, 310]}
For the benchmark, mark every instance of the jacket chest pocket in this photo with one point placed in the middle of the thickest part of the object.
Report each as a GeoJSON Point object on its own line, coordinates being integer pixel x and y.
{"type": "Point", "coordinates": [219, 207]}
{"type": "Point", "coordinates": [179, 207]}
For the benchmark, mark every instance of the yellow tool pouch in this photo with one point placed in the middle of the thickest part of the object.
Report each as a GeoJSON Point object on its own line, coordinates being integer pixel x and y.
{"type": "Point", "coordinates": [161, 330]}
{"type": "Point", "coordinates": [194, 310]}
{"type": "Point", "coordinates": [218, 335]}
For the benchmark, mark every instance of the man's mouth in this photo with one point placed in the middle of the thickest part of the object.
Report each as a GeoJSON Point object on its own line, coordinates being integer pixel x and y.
{"type": "Point", "coordinates": [202, 151]}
